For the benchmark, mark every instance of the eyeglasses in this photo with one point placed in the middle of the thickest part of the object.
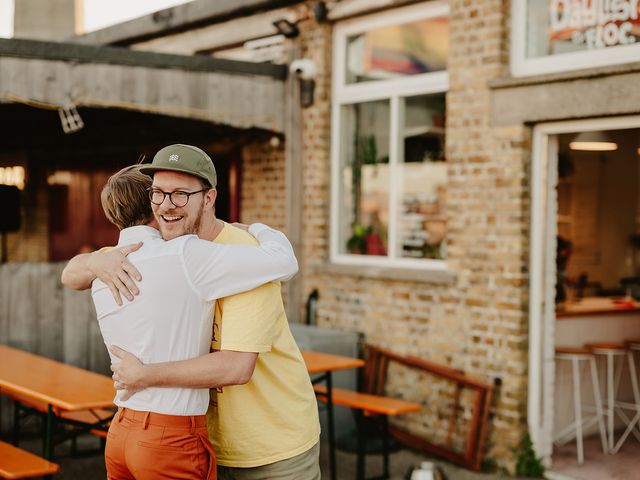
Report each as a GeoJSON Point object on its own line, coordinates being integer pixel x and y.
{"type": "Point", "coordinates": [178, 198]}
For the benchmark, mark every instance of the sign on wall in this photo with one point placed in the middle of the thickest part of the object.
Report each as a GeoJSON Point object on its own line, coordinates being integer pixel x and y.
{"type": "Point", "coordinates": [557, 35]}
{"type": "Point", "coordinates": [592, 24]}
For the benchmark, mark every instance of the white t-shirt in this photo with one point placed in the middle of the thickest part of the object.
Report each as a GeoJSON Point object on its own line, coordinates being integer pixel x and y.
{"type": "Point", "coordinates": [172, 317]}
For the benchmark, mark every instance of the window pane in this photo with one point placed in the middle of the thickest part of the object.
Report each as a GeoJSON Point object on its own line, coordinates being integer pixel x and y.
{"type": "Point", "coordinates": [422, 175]}
{"type": "Point", "coordinates": [399, 50]}
{"type": "Point", "coordinates": [364, 176]}
{"type": "Point", "coordinates": [562, 26]}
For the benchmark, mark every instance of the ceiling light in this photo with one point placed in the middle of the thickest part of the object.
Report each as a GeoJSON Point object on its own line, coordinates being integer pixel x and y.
{"type": "Point", "coordinates": [592, 142]}
{"type": "Point", "coordinates": [70, 118]}
{"type": "Point", "coordinates": [12, 176]}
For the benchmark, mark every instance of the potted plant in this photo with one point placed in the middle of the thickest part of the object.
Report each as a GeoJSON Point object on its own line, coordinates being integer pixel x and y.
{"type": "Point", "coordinates": [357, 242]}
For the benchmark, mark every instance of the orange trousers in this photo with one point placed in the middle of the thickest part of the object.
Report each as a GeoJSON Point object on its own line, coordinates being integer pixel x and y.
{"type": "Point", "coordinates": [150, 446]}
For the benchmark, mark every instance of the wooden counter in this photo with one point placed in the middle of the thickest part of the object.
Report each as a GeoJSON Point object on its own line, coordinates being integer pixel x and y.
{"type": "Point", "coordinates": [597, 319]}
{"type": "Point", "coordinates": [596, 306]}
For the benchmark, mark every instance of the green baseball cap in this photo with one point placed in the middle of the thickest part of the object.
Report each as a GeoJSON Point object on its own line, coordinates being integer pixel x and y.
{"type": "Point", "coordinates": [184, 159]}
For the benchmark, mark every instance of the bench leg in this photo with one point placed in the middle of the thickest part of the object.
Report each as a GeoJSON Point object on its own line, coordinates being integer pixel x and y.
{"type": "Point", "coordinates": [361, 425]}
{"type": "Point", "coordinates": [15, 438]}
{"type": "Point", "coordinates": [385, 446]}
{"type": "Point", "coordinates": [362, 443]}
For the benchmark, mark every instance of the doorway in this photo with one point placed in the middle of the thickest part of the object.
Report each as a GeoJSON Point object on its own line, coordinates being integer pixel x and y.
{"type": "Point", "coordinates": [555, 186]}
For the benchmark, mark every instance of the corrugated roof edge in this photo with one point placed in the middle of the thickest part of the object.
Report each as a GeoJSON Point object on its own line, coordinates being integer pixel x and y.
{"type": "Point", "coordinates": [123, 56]}
{"type": "Point", "coordinates": [176, 19]}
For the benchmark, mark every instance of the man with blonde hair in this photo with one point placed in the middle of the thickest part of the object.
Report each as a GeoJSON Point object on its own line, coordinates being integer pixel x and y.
{"type": "Point", "coordinates": [125, 198]}
{"type": "Point", "coordinates": [160, 433]}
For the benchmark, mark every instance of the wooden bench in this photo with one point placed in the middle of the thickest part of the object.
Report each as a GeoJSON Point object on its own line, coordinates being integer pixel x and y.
{"type": "Point", "coordinates": [81, 417]}
{"type": "Point", "coordinates": [18, 463]}
{"type": "Point", "coordinates": [372, 406]}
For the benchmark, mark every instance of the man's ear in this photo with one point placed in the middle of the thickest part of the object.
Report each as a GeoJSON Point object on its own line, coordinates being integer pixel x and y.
{"type": "Point", "coordinates": [210, 197]}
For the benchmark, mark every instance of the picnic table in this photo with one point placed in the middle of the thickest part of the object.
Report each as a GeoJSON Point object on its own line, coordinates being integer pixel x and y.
{"type": "Point", "coordinates": [61, 388]}
{"type": "Point", "coordinates": [322, 365]}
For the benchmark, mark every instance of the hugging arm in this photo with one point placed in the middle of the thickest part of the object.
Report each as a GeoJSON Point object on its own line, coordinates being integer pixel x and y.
{"type": "Point", "coordinates": [216, 369]}
{"type": "Point", "coordinates": [217, 271]}
{"type": "Point", "coordinates": [111, 266]}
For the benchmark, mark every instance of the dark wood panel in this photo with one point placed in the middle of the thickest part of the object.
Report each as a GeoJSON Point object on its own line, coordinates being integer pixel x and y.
{"type": "Point", "coordinates": [76, 218]}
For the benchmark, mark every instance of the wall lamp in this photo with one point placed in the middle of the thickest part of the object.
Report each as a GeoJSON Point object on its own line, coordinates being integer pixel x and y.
{"type": "Point", "coordinates": [306, 71]}
{"type": "Point", "coordinates": [286, 28]}
{"type": "Point", "coordinates": [290, 29]}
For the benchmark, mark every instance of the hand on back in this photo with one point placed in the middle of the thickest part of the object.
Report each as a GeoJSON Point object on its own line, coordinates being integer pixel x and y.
{"type": "Point", "coordinates": [127, 374]}
{"type": "Point", "coordinates": [112, 267]}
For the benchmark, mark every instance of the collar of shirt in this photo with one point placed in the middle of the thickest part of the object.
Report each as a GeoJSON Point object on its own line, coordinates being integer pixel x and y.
{"type": "Point", "coordinates": [136, 234]}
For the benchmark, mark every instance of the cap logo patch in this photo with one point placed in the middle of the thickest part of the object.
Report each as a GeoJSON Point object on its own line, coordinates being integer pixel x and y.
{"type": "Point", "coordinates": [174, 157]}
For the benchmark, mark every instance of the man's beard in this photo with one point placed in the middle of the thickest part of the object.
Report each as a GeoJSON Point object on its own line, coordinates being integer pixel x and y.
{"type": "Point", "coordinates": [190, 228]}
{"type": "Point", "coordinates": [194, 227]}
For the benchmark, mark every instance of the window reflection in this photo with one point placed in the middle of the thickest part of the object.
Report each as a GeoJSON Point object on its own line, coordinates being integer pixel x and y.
{"type": "Point", "coordinates": [399, 50]}
{"type": "Point", "coordinates": [365, 178]}
{"type": "Point", "coordinates": [422, 175]}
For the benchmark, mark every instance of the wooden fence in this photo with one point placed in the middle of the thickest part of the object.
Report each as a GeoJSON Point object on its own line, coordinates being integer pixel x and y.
{"type": "Point", "coordinates": [39, 315]}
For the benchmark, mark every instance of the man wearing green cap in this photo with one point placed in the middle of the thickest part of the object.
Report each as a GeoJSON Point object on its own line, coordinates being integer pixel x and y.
{"type": "Point", "coordinates": [162, 433]}
{"type": "Point", "coordinates": [268, 428]}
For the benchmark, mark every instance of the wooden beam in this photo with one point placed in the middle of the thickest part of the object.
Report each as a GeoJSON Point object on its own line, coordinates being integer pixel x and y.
{"type": "Point", "coordinates": [35, 49]}
{"type": "Point", "coordinates": [179, 18]}
{"type": "Point", "coordinates": [241, 101]}
{"type": "Point", "coordinates": [231, 32]}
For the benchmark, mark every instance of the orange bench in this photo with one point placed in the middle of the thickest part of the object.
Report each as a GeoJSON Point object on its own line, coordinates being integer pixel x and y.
{"type": "Point", "coordinates": [369, 405]}
{"type": "Point", "coordinates": [18, 463]}
{"type": "Point", "coordinates": [86, 417]}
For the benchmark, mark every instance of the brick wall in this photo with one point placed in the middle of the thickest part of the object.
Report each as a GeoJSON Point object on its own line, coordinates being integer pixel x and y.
{"type": "Point", "coordinates": [479, 322]}
{"type": "Point", "coordinates": [263, 193]}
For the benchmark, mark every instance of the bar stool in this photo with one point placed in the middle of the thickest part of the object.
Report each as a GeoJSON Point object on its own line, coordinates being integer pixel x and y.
{"type": "Point", "coordinates": [632, 346]}
{"type": "Point", "coordinates": [575, 355]}
{"type": "Point", "coordinates": [610, 351]}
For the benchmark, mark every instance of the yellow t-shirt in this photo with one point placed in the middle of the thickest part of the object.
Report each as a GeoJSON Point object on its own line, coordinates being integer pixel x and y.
{"type": "Point", "coordinates": [275, 415]}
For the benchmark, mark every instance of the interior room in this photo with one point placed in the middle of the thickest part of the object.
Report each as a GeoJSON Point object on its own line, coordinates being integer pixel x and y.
{"type": "Point", "coordinates": [597, 403]}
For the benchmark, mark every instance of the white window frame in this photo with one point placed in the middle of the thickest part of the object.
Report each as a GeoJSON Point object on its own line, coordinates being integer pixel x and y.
{"type": "Point", "coordinates": [542, 271]}
{"type": "Point", "coordinates": [522, 66]}
{"type": "Point", "coordinates": [347, 94]}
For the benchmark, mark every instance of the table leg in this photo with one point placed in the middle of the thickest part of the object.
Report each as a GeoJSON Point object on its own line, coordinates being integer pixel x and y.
{"type": "Point", "coordinates": [16, 423]}
{"type": "Point", "coordinates": [332, 439]}
{"type": "Point", "coordinates": [48, 439]}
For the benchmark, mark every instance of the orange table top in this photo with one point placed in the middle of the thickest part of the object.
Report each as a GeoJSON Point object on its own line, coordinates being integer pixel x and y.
{"type": "Point", "coordinates": [63, 386]}
{"type": "Point", "coordinates": [318, 362]}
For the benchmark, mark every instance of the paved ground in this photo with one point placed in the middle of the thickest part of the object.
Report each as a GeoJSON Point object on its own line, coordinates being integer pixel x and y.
{"type": "Point", "coordinates": [91, 466]}
{"type": "Point", "coordinates": [624, 465]}
{"type": "Point", "coordinates": [400, 463]}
